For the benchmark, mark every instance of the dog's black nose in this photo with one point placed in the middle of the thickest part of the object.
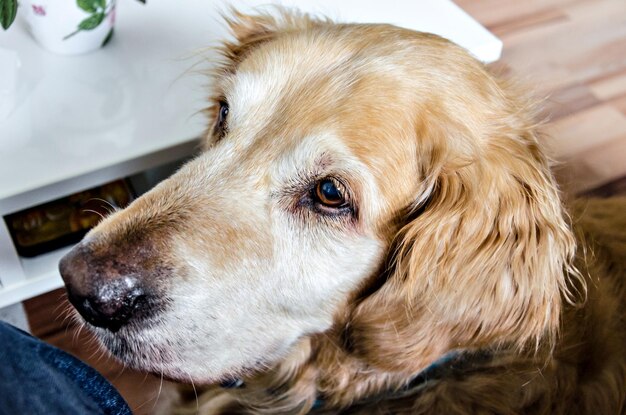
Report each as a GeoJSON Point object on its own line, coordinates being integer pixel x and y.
{"type": "Point", "coordinates": [106, 290]}
{"type": "Point", "coordinates": [112, 305]}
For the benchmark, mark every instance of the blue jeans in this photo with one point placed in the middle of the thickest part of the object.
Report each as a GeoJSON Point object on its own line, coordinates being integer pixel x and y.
{"type": "Point", "coordinates": [36, 378]}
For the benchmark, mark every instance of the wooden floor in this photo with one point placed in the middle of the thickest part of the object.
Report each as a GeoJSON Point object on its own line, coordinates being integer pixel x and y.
{"type": "Point", "coordinates": [572, 50]}
{"type": "Point", "coordinates": [574, 53]}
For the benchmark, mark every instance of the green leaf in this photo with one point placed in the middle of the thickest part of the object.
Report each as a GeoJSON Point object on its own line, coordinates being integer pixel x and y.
{"type": "Point", "coordinates": [107, 39]}
{"type": "Point", "coordinates": [8, 11]}
{"type": "Point", "coordinates": [91, 22]}
{"type": "Point", "coordinates": [101, 3]}
{"type": "Point", "coordinates": [90, 6]}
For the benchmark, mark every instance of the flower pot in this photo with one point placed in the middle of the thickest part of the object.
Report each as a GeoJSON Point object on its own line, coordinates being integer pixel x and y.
{"type": "Point", "coordinates": [69, 26]}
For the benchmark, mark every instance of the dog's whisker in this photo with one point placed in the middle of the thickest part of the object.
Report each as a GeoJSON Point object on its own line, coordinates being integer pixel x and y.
{"type": "Point", "coordinates": [95, 212]}
{"type": "Point", "coordinates": [112, 208]}
{"type": "Point", "coordinates": [160, 389]}
{"type": "Point", "coordinates": [195, 392]}
{"type": "Point", "coordinates": [64, 312]}
{"type": "Point", "coordinates": [77, 332]}
{"type": "Point", "coordinates": [61, 304]}
{"type": "Point", "coordinates": [153, 399]}
{"type": "Point", "coordinates": [94, 353]}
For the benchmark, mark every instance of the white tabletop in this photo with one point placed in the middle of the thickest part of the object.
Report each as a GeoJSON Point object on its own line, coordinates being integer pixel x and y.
{"type": "Point", "coordinates": [62, 117]}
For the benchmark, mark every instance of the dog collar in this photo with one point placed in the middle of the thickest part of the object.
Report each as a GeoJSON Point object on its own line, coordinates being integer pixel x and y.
{"type": "Point", "coordinates": [454, 362]}
{"type": "Point", "coordinates": [450, 363]}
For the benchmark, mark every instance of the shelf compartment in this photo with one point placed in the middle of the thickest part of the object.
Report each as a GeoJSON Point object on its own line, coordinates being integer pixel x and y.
{"type": "Point", "coordinates": [22, 278]}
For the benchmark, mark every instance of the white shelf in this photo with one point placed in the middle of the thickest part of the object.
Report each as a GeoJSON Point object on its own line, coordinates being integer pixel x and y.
{"type": "Point", "coordinates": [69, 123]}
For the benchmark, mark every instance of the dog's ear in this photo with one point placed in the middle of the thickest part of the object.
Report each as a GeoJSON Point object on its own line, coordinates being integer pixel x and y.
{"type": "Point", "coordinates": [250, 30]}
{"type": "Point", "coordinates": [485, 258]}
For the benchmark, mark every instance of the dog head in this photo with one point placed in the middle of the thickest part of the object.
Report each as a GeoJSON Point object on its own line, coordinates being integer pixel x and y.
{"type": "Point", "coordinates": [363, 175]}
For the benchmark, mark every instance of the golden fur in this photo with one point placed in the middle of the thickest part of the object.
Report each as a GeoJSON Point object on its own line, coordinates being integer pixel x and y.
{"type": "Point", "coordinates": [476, 255]}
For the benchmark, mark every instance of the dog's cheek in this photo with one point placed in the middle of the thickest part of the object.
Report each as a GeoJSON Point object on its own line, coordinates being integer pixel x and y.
{"type": "Point", "coordinates": [320, 268]}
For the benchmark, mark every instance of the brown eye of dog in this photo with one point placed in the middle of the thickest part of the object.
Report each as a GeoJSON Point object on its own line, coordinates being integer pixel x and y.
{"type": "Point", "coordinates": [221, 117]}
{"type": "Point", "coordinates": [328, 194]}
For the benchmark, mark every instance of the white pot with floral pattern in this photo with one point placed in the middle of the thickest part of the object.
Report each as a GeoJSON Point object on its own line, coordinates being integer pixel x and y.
{"type": "Point", "coordinates": [69, 26]}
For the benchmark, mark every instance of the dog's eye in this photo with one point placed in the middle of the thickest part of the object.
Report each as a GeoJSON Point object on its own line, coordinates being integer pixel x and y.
{"type": "Point", "coordinates": [329, 194]}
{"type": "Point", "coordinates": [222, 115]}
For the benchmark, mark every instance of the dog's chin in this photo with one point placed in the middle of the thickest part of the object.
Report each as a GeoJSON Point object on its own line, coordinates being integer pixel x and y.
{"type": "Point", "coordinates": [133, 350]}
{"type": "Point", "coordinates": [227, 378]}
{"type": "Point", "coordinates": [136, 351]}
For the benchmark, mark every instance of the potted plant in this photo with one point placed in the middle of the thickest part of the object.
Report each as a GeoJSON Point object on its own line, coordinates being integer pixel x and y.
{"type": "Point", "coordinates": [64, 26]}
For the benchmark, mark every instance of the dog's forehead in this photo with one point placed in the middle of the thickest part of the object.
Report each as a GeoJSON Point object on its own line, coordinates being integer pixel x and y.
{"type": "Point", "coordinates": [296, 98]}
{"type": "Point", "coordinates": [283, 76]}
{"type": "Point", "coordinates": [318, 68]}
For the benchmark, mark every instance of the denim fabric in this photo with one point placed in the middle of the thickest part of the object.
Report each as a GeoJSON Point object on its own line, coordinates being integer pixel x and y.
{"type": "Point", "coordinates": [36, 378]}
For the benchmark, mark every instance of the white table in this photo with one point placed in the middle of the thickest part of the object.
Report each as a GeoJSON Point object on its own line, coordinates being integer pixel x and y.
{"type": "Point", "coordinates": [72, 123]}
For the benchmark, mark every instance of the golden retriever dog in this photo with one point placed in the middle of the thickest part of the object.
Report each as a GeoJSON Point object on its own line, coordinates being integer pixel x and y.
{"type": "Point", "coordinates": [372, 228]}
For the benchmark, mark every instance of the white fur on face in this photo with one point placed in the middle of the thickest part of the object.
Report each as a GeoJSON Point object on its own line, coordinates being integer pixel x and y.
{"type": "Point", "coordinates": [236, 308]}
